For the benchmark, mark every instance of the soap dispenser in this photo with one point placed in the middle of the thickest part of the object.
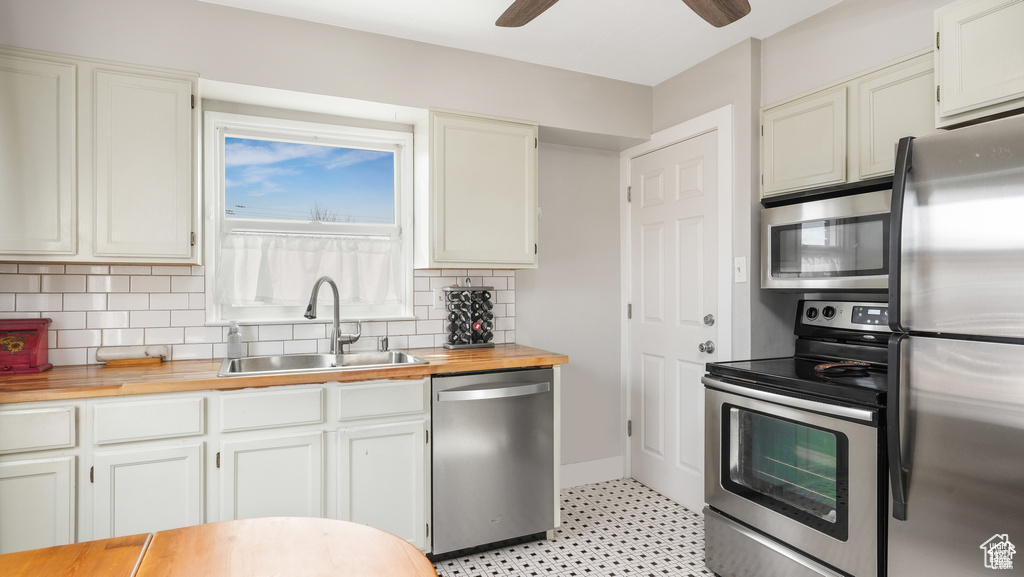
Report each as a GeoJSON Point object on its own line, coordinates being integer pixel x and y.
{"type": "Point", "coordinates": [234, 341]}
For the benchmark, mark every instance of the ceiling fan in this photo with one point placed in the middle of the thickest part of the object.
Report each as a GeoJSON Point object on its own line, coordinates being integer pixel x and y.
{"type": "Point", "coordinates": [718, 13]}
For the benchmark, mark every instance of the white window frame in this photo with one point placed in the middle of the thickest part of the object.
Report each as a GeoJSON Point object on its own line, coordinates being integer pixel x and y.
{"type": "Point", "coordinates": [218, 125]}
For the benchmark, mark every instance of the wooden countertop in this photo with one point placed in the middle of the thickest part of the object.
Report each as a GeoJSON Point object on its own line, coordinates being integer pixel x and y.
{"type": "Point", "coordinates": [85, 381]}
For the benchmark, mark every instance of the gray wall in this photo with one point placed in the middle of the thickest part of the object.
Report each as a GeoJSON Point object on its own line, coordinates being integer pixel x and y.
{"type": "Point", "coordinates": [570, 304]}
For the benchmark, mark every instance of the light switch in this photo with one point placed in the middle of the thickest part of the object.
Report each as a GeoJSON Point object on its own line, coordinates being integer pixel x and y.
{"type": "Point", "coordinates": [739, 269]}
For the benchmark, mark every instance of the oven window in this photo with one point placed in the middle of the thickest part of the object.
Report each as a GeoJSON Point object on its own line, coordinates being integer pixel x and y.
{"type": "Point", "coordinates": [791, 468]}
{"type": "Point", "coordinates": [831, 248]}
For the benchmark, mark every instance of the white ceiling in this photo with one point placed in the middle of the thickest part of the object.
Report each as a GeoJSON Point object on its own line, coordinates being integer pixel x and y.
{"type": "Point", "coordinates": [641, 41]}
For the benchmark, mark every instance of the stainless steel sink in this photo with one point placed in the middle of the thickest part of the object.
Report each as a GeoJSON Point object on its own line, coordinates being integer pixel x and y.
{"type": "Point", "coordinates": [308, 363]}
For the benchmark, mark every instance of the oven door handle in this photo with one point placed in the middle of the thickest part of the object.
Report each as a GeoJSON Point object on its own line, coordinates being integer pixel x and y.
{"type": "Point", "coordinates": [899, 468]}
{"type": "Point", "coordinates": [865, 415]}
{"type": "Point", "coordinates": [904, 163]}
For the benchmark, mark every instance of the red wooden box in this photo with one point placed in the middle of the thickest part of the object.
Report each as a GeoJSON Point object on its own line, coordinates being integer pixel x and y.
{"type": "Point", "coordinates": [23, 346]}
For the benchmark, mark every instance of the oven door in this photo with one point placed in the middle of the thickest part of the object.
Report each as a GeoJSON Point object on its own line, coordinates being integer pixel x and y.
{"type": "Point", "coordinates": [801, 472]}
{"type": "Point", "coordinates": [832, 244]}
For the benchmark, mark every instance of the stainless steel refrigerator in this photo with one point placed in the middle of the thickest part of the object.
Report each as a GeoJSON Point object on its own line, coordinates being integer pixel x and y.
{"type": "Point", "coordinates": [956, 368]}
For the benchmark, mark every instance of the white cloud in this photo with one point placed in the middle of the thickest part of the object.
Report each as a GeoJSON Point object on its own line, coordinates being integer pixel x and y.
{"type": "Point", "coordinates": [356, 157]}
{"type": "Point", "coordinates": [243, 154]}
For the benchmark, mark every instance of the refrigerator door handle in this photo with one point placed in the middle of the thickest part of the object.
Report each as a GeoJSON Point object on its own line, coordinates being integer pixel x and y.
{"type": "Point", "coordinates": [904, 152]}
{"type": "Point", "coordinates": [899, 469]}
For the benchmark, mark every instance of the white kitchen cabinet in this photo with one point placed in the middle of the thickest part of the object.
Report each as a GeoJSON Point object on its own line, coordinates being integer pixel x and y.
{"type": "Point", "coordinates": [143, 166]}
{"type": "Point", "coordinates": [147, 488]}
{"type": "Point", "coordinates": [979, 59]}
{"type": "Point", "coordinates": [272, 476]}
{"type": "Point", "coordinates": [892, 103]}
{"type": "Point", "coordinates": [846, 132]}
{"type": "Point", "coordinates": [381, 478]}
{"type": "Point", "coordinates": [106, 172]}
{"type": "Point", "coordinates": [482, 206]}
{"type": "Point", "coordinates": [37, 503]}
{"type": "Point", "coordinates": [803, 144]}
{"type": "Point", "coordinates": [37, 157]}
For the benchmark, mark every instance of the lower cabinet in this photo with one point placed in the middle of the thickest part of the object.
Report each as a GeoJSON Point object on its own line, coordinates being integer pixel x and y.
{"type": "Point", "coordinates": [37, 503]}
{"type": "Point", "coordinates": [278, 476]}
{"type": "Point", "coordinates": [147, 489]}
{"type": "Point", "coordinates": [381, 478]}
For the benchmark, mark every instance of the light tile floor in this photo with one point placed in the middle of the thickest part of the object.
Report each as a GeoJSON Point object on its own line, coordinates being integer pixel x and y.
{"type": "Point", "coordinates": [613, 528]}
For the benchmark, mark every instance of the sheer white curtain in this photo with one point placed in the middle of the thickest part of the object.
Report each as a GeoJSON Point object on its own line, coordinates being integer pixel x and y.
{"type": "Point", "coordinates": [257, 269]}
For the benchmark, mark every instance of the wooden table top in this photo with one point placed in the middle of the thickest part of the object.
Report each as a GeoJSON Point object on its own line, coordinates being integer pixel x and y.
{"type": "Point", "coordinates": [87, 381]}
{"type": "Point", "coordinates": [284, 547]}
{"type": "Point", "coordinates": [266, 547]}
{"type": "Point", "coordinates": [117, 557]}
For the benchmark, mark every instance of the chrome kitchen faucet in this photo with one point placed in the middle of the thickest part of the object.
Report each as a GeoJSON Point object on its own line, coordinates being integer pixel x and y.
{"type": "Point", "coordinates": [338, 340]}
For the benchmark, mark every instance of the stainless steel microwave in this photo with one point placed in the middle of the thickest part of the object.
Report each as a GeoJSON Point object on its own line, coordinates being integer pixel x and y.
{"type": "Point", "coordinates": [827, 245]}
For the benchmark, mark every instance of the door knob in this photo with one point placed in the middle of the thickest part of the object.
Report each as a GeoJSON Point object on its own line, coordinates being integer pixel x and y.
{"type": "Point", "coordinates": [709, 319]}
{"type": "Point", "coordinates": [707, 347]}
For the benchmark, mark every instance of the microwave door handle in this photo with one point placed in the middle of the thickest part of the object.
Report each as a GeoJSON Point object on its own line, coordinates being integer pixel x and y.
{"type": "Point", "coordinates": [904, 163]}
{"type": "Point", "coordinates": [899, 464]}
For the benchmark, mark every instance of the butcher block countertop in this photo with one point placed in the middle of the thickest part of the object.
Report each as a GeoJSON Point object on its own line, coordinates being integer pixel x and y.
{"type": "Point", "coordinates": [85, 381]}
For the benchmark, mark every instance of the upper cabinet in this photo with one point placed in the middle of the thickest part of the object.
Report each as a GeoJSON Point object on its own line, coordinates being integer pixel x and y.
{"type": "Point", "coordinates": [846, 132]}
{"type": "Point", "coordinates": [481, 210]}
{"type": "Point", "coordinates": [100, 164]}
{"type": "Point", "coordinates": [979, 67]}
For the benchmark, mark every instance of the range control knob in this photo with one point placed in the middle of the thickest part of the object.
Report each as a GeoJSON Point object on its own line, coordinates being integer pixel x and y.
{"type": "Point", "coordinates": [828, 312]}
{"type": "Point", "coordinates": [812, 313]}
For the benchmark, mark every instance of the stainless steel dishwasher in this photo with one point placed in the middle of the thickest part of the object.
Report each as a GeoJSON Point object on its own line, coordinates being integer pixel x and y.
{"type": "Point", "coordinates": [493, 457]}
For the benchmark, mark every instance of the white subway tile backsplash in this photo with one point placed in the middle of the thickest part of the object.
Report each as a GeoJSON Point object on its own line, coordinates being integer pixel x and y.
{"type": "Point", "coordinates": [83, 338]}
{"type": "Point", "coordinates": [124, 305]}
{"type": "Point", "coordinates": [188, 284]}
{"type": "Point", "coordinates": [107, 320]}
{"type": "Point", "coordinates": [169, 336]}
{"type": "Point", "coordinates": [108, 284]}
{"type": "Point", "coordinates": [38, 302]}
{"type": "Point", "coordinates": [128, 302]}
{"type": "Point", "coordinates": [150, 319]}
{"type": "Point", "coordinates": [62, 283]}
{"type": "Point", "coordinates": [150, 284]}
{"type": "Point", "coordinates": [41, 268]}
{"type": "Point", "coordinates": [19, 283]}
{"type": "Point", "coordinates": [123, 337]}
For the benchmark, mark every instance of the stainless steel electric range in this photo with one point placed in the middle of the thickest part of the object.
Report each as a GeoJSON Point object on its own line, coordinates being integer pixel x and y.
{"type": "Point", "coordinates": [795, 463]}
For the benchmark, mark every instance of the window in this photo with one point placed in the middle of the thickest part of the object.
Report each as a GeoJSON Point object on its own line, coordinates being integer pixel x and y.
{"type": "Point", "coordinates": [289, 202]}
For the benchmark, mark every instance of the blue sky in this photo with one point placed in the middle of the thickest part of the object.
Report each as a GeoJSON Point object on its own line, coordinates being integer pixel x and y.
{"type": "Point", "coordinates": [283, 181]}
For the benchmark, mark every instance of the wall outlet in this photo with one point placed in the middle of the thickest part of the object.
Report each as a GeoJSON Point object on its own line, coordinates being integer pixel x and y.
{"type": "Point", "coordinates": [739, 269]}
{"type": "Point", "coordinates": [438, 299]}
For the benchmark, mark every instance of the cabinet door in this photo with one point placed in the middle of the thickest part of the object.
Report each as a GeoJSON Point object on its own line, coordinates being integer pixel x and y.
{"type": "Point", "coordinates": [381, 478]}
{"type": "Point", "coordinates": [893, 103]}
{"type": "Point", "coordinates": [978, 59]}
{"type": "Point", "coordinates": [149, 489]}
{"type": "Point", "coordinates": [37, 157]}
{"type": "Point", "coordinates": [484, 188]}
{"type": "Point", "coordinates": [37, 504]}
{"type": "Point", "coordinates": [272, 477]}
{"type": "Point", "coordinates": [804, 143]}
{"type": "Point", "coordinates": [143, 166]}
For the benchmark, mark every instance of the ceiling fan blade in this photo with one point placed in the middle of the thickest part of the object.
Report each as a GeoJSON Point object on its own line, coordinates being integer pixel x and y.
{"type": "Point", "coordinates": [522, 11]}
{"type": "Point", "coordinates": [719, 13]}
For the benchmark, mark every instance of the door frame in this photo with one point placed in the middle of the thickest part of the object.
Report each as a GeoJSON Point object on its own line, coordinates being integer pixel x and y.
{"type": "Point", "coordinates": [722, 121]}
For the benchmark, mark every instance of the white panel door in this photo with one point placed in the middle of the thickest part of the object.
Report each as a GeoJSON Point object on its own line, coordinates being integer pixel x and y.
{"type": "Point", "coordinates": [147, 489]}
{"type": "Point", "coordinates": [272, 477]}
{"type": "Point", "coordinates": [37, 157]}
{"type": "Point", "coordinates": [143, 166]}
{"type": "Point", "coordinates": [37, 504]}
{"type": "Point", "coordinates": [674, 287]}
{"type": "Point", "coordinates": [381, 479]}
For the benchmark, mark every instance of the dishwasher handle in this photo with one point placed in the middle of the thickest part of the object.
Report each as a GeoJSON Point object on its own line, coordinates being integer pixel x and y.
{"type": "Point", "coordinates": [499, 390]}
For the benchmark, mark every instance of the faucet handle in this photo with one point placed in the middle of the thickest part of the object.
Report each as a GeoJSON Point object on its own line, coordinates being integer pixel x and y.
{"type": "Point", "coordinates": [383, 344]}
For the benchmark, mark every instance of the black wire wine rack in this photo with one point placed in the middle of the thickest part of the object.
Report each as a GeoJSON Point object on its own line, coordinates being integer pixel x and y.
{"type": "Point", "coordinates": [470, 320]}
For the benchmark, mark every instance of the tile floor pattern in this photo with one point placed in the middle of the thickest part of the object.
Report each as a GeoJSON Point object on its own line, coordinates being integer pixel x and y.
{"type": "Point", "coordinates": [615, 528]}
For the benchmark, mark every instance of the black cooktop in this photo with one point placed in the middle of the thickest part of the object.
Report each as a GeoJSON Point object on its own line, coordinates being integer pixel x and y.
{"type": "Point", "coordinates": [797, 376]}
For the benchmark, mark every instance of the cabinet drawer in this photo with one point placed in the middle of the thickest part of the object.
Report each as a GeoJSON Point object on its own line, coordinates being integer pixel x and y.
{"type": "Point", "coordinates": [149, 419]}
{"type": "Point", "coordinates": [382, 399]}
{"type": "Point", "coordinates": [37, 429]}
{"type": "Point", "coordinates": [268, 409]}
